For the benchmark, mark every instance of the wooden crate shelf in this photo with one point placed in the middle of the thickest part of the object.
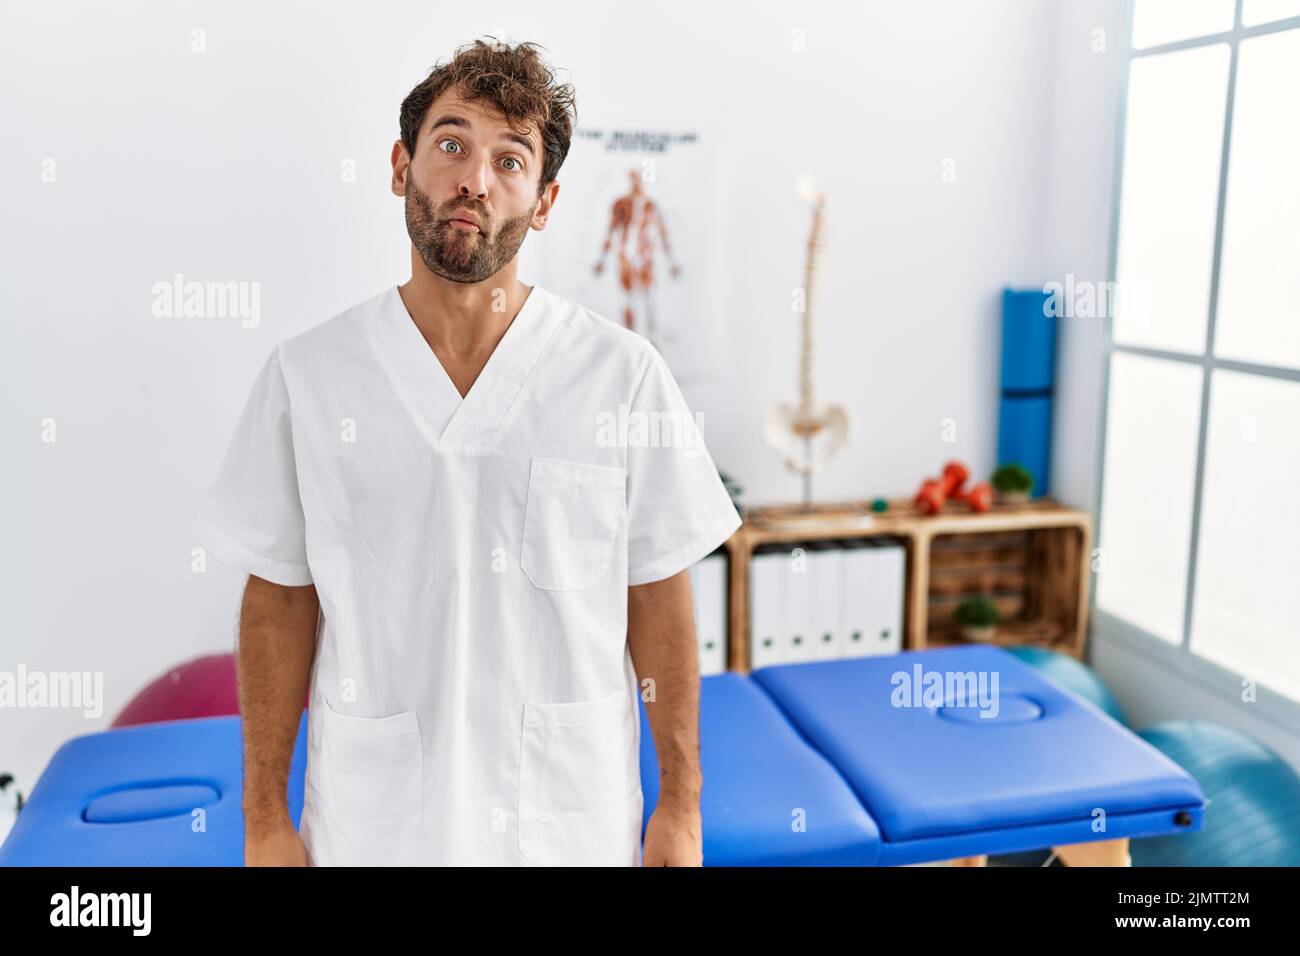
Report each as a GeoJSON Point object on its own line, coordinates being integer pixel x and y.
{"type": "Point", "coordinates": [1029, 559]}
{"type": "Point", "coordinates": [1041, 633]}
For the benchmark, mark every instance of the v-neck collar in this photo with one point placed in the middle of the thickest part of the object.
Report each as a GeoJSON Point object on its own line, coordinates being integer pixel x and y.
{"type": "Point", "coordinates": [447, 420]}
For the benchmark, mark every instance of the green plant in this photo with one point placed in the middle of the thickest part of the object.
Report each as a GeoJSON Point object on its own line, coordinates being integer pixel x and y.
{"type": "Point", "coordinates": [1012, 479]}
{"type": "Point", "coordinates": [977, 612]}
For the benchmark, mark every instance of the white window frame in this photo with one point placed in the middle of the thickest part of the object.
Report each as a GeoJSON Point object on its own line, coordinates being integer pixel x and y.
{"type": "Point", "coordinates": [1180, 658]}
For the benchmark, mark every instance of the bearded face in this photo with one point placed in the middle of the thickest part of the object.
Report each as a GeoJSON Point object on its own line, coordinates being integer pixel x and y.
{"type": "Point", "coordinates": [456, 253]}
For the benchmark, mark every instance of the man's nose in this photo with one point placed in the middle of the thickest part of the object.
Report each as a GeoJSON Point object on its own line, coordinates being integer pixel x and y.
{"type": "Point", "coordinates": [475, 183]}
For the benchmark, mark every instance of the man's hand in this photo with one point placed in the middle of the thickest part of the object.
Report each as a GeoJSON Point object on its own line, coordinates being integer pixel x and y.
{"type": "Point", "coordinates": [277, 646]}
{"type": "Point", "coordinates": [672, 837]}
{"type": "Point", "coordinates": [281, 846]}
{"type": "Point", "coordinates": [661, 637]}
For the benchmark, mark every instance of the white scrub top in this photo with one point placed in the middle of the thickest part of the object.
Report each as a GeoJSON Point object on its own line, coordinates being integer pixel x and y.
{"type": "Point", "coordinates": [473, 699]}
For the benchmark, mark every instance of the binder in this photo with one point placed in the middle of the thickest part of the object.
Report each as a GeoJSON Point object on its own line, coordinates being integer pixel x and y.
{"type": "Point", "coordinates": [825, 558]}
{"type": "Point", "coordinates": [798, 603]}
{"type": "Point", "coordinates": [857, 586]}
{"type": "Point", "coordinates": [768, 572]}
{"type": "Point", "coordinates": [889, 595]}
{"type": "Point", "coordinates": [709, 589]}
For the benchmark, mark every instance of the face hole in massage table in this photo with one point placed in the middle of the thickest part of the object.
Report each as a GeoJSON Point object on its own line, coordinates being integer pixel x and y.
{"type": "Point", "coordinates": [1011, 709]}
{"type": "Point", "coordinates": [149, 802]}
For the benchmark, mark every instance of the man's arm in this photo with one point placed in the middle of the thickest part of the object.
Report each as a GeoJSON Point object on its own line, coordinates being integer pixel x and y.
{"type": "Point", "coordinates": [661, 637]}
{"type": "Point", "coordinates": [277, 644]}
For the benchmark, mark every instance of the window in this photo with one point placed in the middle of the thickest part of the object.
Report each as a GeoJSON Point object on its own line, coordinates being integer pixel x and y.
{"type": "Point", "coordinates": [1199, 512]}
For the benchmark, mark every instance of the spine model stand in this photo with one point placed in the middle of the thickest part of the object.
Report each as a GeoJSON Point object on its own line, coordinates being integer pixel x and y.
{"type": "Point", "coordinates": [806, 435]}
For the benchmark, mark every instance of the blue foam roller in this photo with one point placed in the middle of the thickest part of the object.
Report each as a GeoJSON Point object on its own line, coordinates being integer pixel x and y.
{"type": "Point", "coordinates": [1028, 341]}
{"type": "Point", "coordinates": [1025, 437]}
{"type": "Point", "coordinates": [1027, 379]}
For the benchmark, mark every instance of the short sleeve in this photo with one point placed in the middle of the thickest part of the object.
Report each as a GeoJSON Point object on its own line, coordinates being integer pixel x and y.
{"type": "Point", "coordinates": [678, 508]}
{"type": "Point", "coordinates": [252, 518]}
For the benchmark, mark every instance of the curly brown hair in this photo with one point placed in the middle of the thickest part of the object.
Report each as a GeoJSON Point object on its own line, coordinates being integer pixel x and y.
{"type": "Point", "coordinates": [516, 81]}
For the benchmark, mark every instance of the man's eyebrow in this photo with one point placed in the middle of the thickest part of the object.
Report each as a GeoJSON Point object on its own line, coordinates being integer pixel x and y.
{"type": "Point", "coordinates": [452, 120]}
{"type": "Point", "coordinates": [523, 141]}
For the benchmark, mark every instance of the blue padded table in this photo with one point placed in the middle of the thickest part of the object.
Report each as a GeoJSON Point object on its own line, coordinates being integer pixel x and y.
{"type": "Point", "coordinates": [942, 781]}
{"type": "Point", "coordinates": [768, 798]}
{"type": "Point", "coordinates": [129, 796]}
{"type": "Point", "coordinates": [804, 764]}
{"type": "Point", "coordinates": [126, 797]}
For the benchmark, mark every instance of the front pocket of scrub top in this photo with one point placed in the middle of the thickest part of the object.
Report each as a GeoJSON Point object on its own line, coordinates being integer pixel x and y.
{"type": "Point", "coordinates": [572, 518]}
{"type": "Point", "coordinates": [372, 772]}
{"type": "Point", "coordinates": [580, 800]}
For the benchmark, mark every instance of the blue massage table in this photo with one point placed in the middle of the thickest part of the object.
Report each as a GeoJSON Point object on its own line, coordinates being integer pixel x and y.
{"type": "Point", "coordinates": [128, 797]}
{"type": "Point", "coordinates": [1043, 769]}
{"type": "Point", "coordinates": [804, 764]}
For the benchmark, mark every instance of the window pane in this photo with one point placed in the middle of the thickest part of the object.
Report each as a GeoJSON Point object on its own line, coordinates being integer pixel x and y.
{"type": "Point", "coordinates": [1165, 21]}
{"type": "Point", "coordinates": [1255, 12]}
{"type": "Point", "coordinates": [1259, 274]}
{"type": "Point", "coordinates": [1247, 598]}
{"type": "Point", "coordinates": [1153, 413]}
{"type": "Point", "coordinates": [1169, 197]}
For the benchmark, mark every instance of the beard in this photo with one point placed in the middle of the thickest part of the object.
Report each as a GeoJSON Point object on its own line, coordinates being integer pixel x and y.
{"type": "Point", "coordinates": [456, 254]}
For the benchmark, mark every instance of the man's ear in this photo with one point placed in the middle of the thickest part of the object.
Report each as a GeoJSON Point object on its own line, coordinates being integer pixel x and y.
{"type": "Point", "coordinates": [544, 204]}
{"type": "Point", "coordinates": [401, 160]}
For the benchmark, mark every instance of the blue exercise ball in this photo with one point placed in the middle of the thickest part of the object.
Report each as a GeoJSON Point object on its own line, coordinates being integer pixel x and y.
{"type": "Point", "coordinates": [1252, 816]}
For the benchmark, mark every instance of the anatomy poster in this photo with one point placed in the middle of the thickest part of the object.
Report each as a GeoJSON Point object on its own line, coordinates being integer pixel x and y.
{"type": "Point", "coordinates": [634, 237]}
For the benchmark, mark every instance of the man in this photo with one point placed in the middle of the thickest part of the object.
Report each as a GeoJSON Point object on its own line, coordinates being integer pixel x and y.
{"type": "Point", "coordinates": [467, 508]}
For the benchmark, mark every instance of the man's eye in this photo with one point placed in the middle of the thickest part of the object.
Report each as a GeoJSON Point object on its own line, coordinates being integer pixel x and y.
{"type": "Point", "coordinates": [449, 142]}
{"type": "Point", "coordinates": [511, 159]}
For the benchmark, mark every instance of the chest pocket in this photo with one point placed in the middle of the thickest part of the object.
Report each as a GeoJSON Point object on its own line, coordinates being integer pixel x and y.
{"type": "Point", "coordinates": [572, 519]}
{"type": "Point", "coordinates": [371, 789]}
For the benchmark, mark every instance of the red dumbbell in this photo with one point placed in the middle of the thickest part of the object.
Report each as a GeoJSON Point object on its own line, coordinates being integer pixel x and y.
{"type": "Point", "coordinates": [930, 499]}
{"type": "Point", "coordinates": [979, 498]}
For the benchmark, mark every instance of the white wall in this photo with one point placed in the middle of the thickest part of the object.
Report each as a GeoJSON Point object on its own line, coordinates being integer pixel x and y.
{"type": "Point", "coordinates": [1085, 79]}
{"type": "Point", "coordinates": [225, 165]}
